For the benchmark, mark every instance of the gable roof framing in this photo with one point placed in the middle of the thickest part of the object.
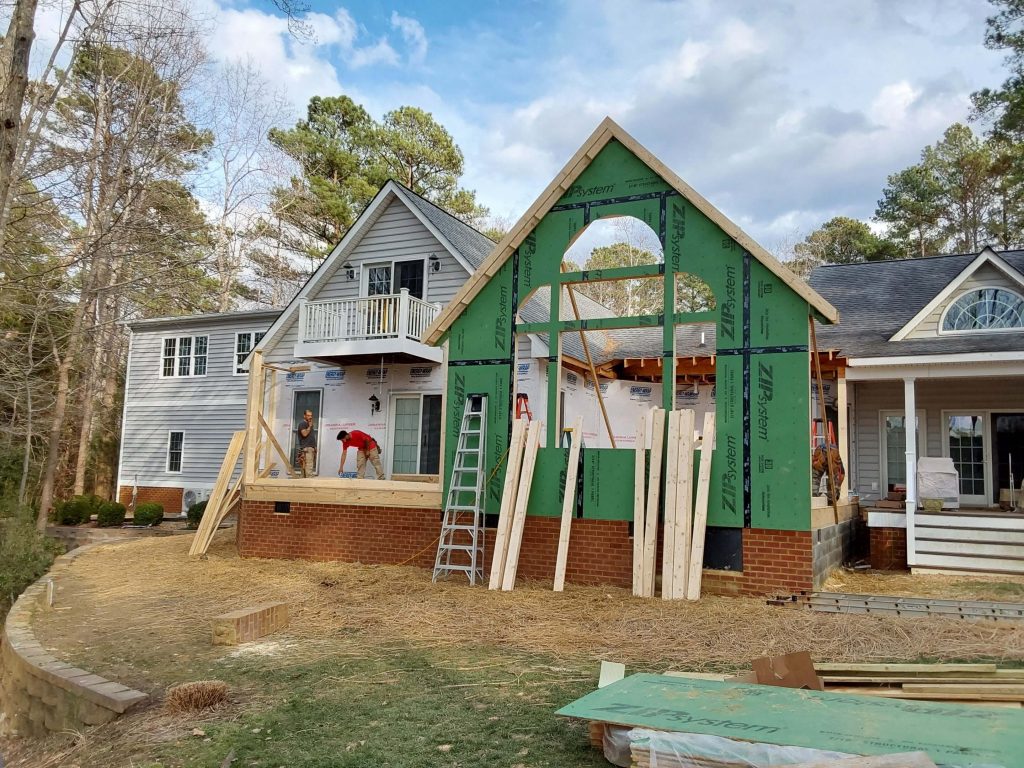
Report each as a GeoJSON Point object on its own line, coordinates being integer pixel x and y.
{"type": "Point", "coordinates": [986, 256]}
{"type": "Point", "coordinates": [605, 132]}
{"type": "Point", "coordinates": [392, 190]}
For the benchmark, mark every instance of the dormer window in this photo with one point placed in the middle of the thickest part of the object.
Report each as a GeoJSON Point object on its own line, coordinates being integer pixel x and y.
{"type": "Point", "coordinates": [985, 309]}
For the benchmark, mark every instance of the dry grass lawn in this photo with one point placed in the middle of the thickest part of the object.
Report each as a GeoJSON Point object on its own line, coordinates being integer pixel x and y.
{"type": "Point", "coordinates": [140, 613]}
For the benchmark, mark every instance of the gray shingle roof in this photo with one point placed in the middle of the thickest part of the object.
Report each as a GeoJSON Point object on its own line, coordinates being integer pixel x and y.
{"type": "Point", "coordinates": [876, 299]}
{"type": "Point", "coordinates": [474, 246]}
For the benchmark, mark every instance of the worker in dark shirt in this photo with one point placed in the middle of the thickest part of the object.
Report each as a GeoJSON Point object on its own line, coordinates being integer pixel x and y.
{"type": "Point", "coordinates": [366, 448]}
{"type": "Point", "coordinates": [307, 444]}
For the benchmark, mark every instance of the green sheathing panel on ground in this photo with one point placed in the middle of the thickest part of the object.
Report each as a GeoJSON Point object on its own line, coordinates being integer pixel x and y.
{"type": "Point", "coordinates": [952, 735]}
{"type": "Point", "coordinates": [608, 483]}
{"type": "Point", "coordinates": [760, 471]}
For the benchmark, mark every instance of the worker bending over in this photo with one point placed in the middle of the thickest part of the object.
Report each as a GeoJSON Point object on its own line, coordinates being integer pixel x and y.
{"type": "Point", "coordinates": [367, 449]}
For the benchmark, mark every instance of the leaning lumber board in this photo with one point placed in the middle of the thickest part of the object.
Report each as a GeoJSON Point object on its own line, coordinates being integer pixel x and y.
{"type": "Point", "coordinates": [668, 551]}
{"type": "Point", "coordinates": [903, 668]}
{"type": "Point", "coordinates": [683, 507]}
{"type": "Point", "coordinates": [568, 504]}
{"type": "Point", "coordinates": [207, 526]}
{"type": "Point", "coordinates": [515, 538]}
{"type": "Point", "coordinates": [653, 495]}
{"type": "Point", "coordinates": [513, 469]}
{"type": "Point", "coordinates": [639, 496]}
{"type": "Point", "coordinates": [700, 508]}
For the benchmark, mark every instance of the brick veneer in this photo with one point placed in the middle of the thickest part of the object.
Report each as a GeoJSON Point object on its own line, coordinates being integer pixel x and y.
{"type": "Point", "coordinates": [889, 549]}
{"type": "Point", "coordinates": [777, 560]}
{"type": "Point", "coordinates": [600, 551]}
{"type": "Point", "coordinates": [169, 497]}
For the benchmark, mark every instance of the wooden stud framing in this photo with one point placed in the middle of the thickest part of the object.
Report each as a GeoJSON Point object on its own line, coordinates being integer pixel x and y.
{"type": "Point", "coordinates": [568, 504]}
{"type": "Point", "coordinates": [700, 509]}
{"type": "Point", "coordinates": [515, 539]}
{"type": "Point", "coordinates": [831, 482]}
{"type": "Point", "coordinates": [653, 494]}
{"type": "Point", "coordinates": [513, 468]}
{"type": "Point", "coordinates": [277, 446]}
{"type": "Point", "coordinates": [639, 499]}
{"type": "Point", "coordinates": [254, 402]}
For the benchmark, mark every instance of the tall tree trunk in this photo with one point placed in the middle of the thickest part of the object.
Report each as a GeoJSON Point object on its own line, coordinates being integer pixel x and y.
{"type": "Point", "coordinates": [14, 55]}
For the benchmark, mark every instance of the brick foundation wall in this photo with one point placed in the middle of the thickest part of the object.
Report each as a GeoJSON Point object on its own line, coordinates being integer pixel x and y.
{"type": "Point", "coordinates": [600, 551]}
{"type": "Point", "coordinates": [777, 561]}
{"type": "Point", "coordinates": [889, 549]}
{"type": "Point", "coordinates": [169, 497]}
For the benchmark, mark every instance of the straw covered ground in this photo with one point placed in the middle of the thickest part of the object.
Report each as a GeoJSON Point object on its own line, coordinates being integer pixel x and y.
{"type": "Point", "coordinates": [381, 661]}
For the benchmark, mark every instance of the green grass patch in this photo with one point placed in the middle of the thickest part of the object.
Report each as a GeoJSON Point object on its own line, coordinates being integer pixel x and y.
{"type": "Point", "coordinates": [1008, 590]}
{"type": "Point", "coordinates": [401, 707]}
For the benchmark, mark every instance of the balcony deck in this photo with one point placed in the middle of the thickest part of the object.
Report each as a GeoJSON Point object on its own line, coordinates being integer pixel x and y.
{"type": "Point", "coordinates": [367, 328]}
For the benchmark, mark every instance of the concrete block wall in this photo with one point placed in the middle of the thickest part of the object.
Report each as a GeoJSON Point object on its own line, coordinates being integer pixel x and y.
{"type": "Point", "coordinates": [38, 692]}
{"type": "Point", "coordinates": [833, 546]}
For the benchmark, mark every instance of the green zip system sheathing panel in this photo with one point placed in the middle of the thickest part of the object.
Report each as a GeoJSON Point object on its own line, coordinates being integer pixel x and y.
{"type": "Point", "coordinates": [951, 734]}
{"type": "Point", "coordinates": [761, 468]}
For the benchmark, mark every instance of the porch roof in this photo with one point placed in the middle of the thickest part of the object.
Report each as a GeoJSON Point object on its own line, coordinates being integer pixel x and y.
{"type": "Point", "coordinates": [878, 298]}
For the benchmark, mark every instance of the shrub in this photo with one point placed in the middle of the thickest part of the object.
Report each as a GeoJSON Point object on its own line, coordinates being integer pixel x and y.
{"type": "Point", "coordinates": [25, 554]}
{"type": "Point", "coordinates": [73, 511]}
{"type": "Point", "coordinates": [195, 514]}
{"type": "Point", "coordinates": [149, 513]}
{"type": "Point", "coordinates": [110, 515]}
{"type": "Point", "coordinates": [191, 697]}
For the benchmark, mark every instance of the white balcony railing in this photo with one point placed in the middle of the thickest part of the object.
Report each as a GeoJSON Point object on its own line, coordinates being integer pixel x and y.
{"type": "Point", "coordinates": [395, 316]}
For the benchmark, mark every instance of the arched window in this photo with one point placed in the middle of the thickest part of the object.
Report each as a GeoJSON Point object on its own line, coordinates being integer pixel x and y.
{"type": "Point", "coordinates": [985, 309]}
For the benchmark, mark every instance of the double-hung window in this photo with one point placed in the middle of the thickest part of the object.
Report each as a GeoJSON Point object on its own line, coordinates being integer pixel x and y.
{"type": "Point", "coordinates": [244, 343]}
{"type": "Point", "coordinates": [184, 356]}
{"type": "Point", "coordinates": [175, 451]}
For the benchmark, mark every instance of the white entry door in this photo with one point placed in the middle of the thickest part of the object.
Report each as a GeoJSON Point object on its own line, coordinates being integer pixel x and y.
{"type": "Point", "coordinates": [966, 443]}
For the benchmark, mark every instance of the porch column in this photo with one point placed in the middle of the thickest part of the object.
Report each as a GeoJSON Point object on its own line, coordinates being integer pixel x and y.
{"type": "Point", "coordinates": [842, 433]}
{"type": "Point", "coordinates": [910, 427]}
{"type": "Point", "coordinates": [403, 314]}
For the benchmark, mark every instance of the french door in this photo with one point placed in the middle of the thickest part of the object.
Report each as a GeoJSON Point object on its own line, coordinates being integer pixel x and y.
{"type": "Point", "coordinates": [966, 443]}
{"type": "Point", "coordinates": [415, 434]}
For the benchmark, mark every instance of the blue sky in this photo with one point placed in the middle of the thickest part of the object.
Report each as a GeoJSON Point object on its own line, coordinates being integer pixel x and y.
{"type": "Point", "coordinates": [782, 113]}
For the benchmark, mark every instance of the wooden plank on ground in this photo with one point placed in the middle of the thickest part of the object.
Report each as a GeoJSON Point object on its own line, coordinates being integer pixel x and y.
{"type": "Point", "coordinates": [639, 498]}
{"type": "Point", "coordinates": [277, 446]}
{"type": "Point", "coordinates": [668, 550]}
{"type": "Point", "coordinates": [981, 688]}
{"type": "Point", "coordinates": [903, 668]}
{"type": "Point", "coordinates": [683, 507]}
{"type": "Point", "coordinates": [653, 495]}
{"type": "Point", "coordinates": [515, 539]}
{"type": "Point", "coordinates": [513, 467]}
{"type": "Point", "coordinates": [568, 504]}
{"type": "Point", "coordinates": [700, 509]}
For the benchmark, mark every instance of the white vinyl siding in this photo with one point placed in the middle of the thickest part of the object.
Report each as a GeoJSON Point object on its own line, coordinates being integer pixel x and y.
{"type": "Point", "coordinates": [396, 235]}
{"type": "Point", "coordinates": [207, 408]}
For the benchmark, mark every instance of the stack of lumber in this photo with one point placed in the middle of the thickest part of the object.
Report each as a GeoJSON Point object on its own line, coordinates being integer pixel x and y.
{"type": "Point", "coordinates": [643, 758]}
{"type": "Point", "coordinates": [962, 683]}
{"type": "Point", "coordinates": [515, 497]}
{"type": "Point", "coordinates": [685, 508]}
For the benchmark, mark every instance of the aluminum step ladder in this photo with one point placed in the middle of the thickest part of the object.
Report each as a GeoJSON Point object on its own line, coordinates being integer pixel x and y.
{"type": "Point", "coordinates": [462, 526]}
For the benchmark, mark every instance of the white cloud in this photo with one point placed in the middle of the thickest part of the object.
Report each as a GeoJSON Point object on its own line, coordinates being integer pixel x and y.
{"type": "Point", "coordinates": [414, 35]}
{"type": "Point", "coordinates": [380, 52]}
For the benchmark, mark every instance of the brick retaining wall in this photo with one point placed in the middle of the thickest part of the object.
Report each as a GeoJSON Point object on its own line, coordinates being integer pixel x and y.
{"type": "Point", "coordinates": [169, 497]}
{"type": "Point", "coordinates": [600, 551]}
{"type": "Point", "coordinates": [38, 692]}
